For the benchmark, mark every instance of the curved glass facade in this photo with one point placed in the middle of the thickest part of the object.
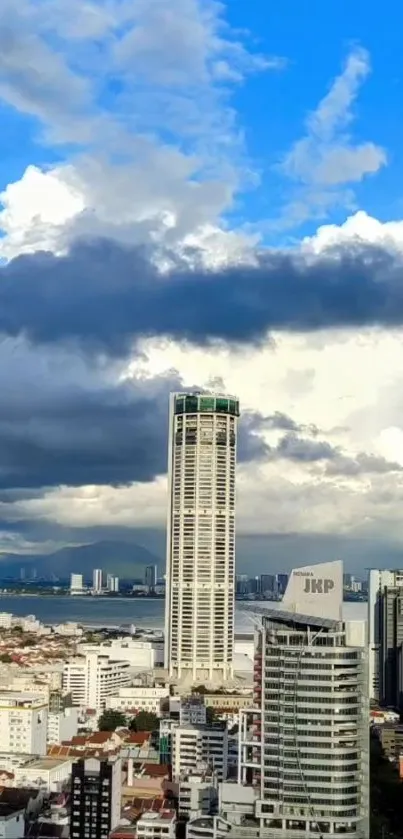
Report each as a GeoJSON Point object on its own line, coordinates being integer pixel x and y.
{"type": "Point", "coordinates": [307, 752]}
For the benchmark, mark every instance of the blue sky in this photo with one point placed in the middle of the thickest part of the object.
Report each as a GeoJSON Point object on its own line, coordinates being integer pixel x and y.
{"type": "Point", "coordinates": [270, 106]}
{"type": "Point", "coordinates": [316, 39]}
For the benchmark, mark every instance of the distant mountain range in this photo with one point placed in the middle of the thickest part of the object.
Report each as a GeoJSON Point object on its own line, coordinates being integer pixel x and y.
{"type": "Point", "coordinates": [126, 560]}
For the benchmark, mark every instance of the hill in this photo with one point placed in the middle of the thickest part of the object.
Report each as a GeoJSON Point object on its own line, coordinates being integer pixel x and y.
{"type": "Point", "coordinates": [125, 559]}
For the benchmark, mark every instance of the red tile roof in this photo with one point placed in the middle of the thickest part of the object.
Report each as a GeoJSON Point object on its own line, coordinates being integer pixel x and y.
{"type": "Point", "coordinates": [156, 770]}
{"type": "Point", "coordinates": [77, 740]}
{"type": "Point", "coordinates": [138, 737]}
{"type": "Point", "coordinates": [100, 737]}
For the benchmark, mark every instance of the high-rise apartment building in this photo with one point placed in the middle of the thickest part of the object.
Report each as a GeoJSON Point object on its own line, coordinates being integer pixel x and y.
{"type": "Point", "coordinates": [199, 621]}
{"type": "Point", "coordinates": [195, 746]}
{"type": "Point", "coordinates": [282, 580]}
{"type": "Point", "coordinates": [97, 580]}
{"type": "Point", "coordinates": [306, 753]}
{"type": "Point", "coordinates": [112, 584]}
{"type": "Point", "coordinates": [95, 798]}
{"type": "Point", "coordinates": [150, 576]}
{"type": "Point", "coordinates": [385, 633]}
{"type": "Point", "coordinates": [91, 678]}
{"type": "Point", "coordinates": [267, 583]}
{"type": "Point", "coordinates": [76, 584]}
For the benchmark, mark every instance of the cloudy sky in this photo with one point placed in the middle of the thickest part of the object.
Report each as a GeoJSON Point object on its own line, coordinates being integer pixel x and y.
{"type": "Point", "coordinates": [196, 193]}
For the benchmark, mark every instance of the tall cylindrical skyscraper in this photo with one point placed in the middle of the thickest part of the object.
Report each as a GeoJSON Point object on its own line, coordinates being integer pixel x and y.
{"type": "Point", "coordinates": [199, 619]}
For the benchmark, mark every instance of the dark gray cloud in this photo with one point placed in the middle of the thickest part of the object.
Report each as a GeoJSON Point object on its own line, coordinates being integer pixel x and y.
{"type": "Point", "coordinates": [107, 434]}
{"type": "Point", "coordinates": [105, 295]}
{"type": "Point", "coordinates": [360, 465]}
{"type": "Point", "coordinates": [305, 450]}
{"type": "Point", "coordinates": [299, 449]}
{"type": "Point", "coordinates": [82, 425]}
{"type": "Point", "coordinates": [282, 422]}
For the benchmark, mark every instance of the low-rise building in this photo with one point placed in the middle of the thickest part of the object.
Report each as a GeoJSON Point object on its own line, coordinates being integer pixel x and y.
{"type": "Point", "coordinates": [23, 723]}
{"type": "Point", "coordinates": [70, 629]}
{"type": "Point", "coordinates": [153, 825]}
{"type": "Point", "coordinates": [46, 773]}
{"type": "Point", "coordinates": [236, 818]}
{"type": "Point", "coordinates": [198, 794]}
{"type": "Point", "coordinates": [192, 711]}
{"type": "Point", "coordinates": [391, 737]}
{"type": "Point", "coordinates": [145, 780]}
{"type": "Point", "coordinates": [138, 699]}
{"type": "Point", "coordinates": [6, 620]}
{"type": "Point", "coordinates": [378, 716]}
{"type": "Point", "coordinates": [232, 702]}
{"type": "Point", "coordinates": [12, 822]}
{"type": "Point", "coordinates": [142, 654]}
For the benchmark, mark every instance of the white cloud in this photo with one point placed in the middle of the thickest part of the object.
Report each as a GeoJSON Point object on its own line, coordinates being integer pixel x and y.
{"type": "Point", "coordinates": [160, 153]}
{"type": "Point", "coordinates": [359, 228]}
{"type": "Point", "coordinates": [36, 209]}
{"type": "Point", "coordinates": [327, 159]}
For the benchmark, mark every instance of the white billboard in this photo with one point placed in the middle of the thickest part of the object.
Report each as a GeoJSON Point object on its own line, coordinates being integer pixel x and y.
{"type": "Point", "coordinates": [316, 590]}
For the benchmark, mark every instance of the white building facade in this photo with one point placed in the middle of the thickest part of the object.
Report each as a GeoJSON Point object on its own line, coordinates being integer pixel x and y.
{"type": "Point", "coordinates": [200, 746]}
{"type": "Point", "coordinates": [198, 794]}
{"type": "Point", "coordinates": [97, 580]}
{"type": "Point", "coordinates": [141, 654]}
{"type": "Point", "coordinates": [23, 723]}
{"type": "Point", "coordinates": [76, 584]}
{"type": "Point", "coordinates": [139, 699]}
{"type": "Point", "coordinates": [48, 774]}
{"type": "Point", "coordinates": [199, 621]}
{"type": "Point", "coordinates": [152, 825]}
{"type": "Point", "coordinates": [92, 678]}
{"type": "Point", "coordinates": [62, 725]}
{"type": "Point", "coordinates": [6, 620]}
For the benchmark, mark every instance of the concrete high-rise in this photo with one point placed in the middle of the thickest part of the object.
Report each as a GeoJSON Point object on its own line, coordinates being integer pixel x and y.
{"type": "Point", "coordinates": [97, 580]}
{"type": "Point", "coordinates": [76, 584]}
{"type": "Point", "coordinates": [199, 619]}
{"type": "Point", "coordinates": [385, 635]}
{"type": "Point", "coordinates": [95, 797]}
{"type": "Point", "coordinates": [304, 747]}
{"type": "Point", "coordinates": [150, 576]}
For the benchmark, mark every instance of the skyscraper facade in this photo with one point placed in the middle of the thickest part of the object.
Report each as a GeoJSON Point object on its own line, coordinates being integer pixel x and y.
{"type": "Point", "coordinates": [150, 576]}
{"type": "Point", "coordinates": [199, 621]}
{"type": "Point", "coordinates": [97, 580]}
{"type": "Point", "coordinates": [306, 753]}
{"type": "Point", "coordinates": [385, 632]}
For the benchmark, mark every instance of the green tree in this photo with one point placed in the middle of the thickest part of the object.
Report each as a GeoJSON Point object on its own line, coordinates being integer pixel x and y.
{"type": "Point", "coordinates": [110, 720]}
{"type": "Point", "coordinates": [201, 689]}
{"type": "Point", "coordinates": [211, 716]}
{"type": "Point", "coordinates": [5, 658]}
{"type": "Point", "coordinates": [144, 721]}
